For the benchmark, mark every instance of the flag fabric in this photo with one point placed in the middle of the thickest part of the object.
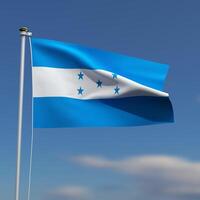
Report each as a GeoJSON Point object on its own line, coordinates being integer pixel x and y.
{"type": "Point", "coordinates": [78, 86]}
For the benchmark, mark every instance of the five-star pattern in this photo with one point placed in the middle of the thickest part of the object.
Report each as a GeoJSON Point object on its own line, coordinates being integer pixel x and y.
{"type": "Point", "coordinates": [98, 82]}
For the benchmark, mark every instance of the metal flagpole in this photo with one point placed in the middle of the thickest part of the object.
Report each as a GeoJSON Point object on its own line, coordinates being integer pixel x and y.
{"type": "Point", "coordinates": [24, 32]}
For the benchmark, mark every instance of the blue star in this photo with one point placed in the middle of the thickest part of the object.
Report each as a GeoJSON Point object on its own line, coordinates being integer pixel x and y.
{"type": "Point", "coordinates": [80, 91]}
{"type": "Point", "coordinates": [80, 75]}
{"type": "Point", "coordinates": [116, 89]}
{"type": "Point", "coordinates": [114, 76]}
{"type": "Point", "coordinates": [99, 83]}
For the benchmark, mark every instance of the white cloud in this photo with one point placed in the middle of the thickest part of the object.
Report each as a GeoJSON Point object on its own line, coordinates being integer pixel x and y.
{"type": "Point", "coordinates": [93, 161]}
{"type": "Point", "coordinates": [163, 175]}
{"type": "Point", "coordinates": [71, 192]}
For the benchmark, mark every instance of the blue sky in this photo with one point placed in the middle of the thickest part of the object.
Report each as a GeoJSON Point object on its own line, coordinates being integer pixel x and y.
{"type": "Point", "coordinates": [152, 162]}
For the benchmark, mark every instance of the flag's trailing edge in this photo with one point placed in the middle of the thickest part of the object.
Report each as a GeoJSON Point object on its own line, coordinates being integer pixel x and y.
{"type": "Point", "coordinates": [78, 86]}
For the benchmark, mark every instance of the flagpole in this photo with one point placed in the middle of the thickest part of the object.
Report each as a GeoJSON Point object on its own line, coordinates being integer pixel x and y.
{"type": "Point", "coordinates": [24, 32]}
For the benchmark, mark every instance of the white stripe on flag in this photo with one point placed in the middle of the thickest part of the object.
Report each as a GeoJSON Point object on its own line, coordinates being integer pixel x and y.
{"type": "Point", "coordinates": [86, 84]}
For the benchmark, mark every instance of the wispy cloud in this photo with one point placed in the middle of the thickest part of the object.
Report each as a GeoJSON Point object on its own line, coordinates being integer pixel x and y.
{"type": "Point", "coordinates": [157, 176]}
{"type": "Point", "coordinates": [71, 192]}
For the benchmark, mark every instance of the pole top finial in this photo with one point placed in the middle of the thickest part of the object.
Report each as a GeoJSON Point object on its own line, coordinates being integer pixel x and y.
{"type": "Point", "coordinates": [24, 31]}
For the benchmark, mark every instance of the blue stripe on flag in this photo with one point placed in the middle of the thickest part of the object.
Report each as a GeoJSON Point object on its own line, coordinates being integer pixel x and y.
{"type": "Point", "coordinates": [49, 53]}
{"type": "Point", "coordinates": [57, 112]}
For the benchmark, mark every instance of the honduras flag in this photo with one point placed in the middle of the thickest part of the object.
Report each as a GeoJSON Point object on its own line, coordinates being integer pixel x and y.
{"type": "Point", "coordinates": [78, 86]}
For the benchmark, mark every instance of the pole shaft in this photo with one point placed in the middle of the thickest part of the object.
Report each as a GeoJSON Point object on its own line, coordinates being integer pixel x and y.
{"type": "Point", "coordinates": [20, 113]}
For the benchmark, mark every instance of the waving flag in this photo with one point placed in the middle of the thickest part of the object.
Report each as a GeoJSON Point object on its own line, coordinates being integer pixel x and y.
{"type": "Point", "coordinates": [78, 86]}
